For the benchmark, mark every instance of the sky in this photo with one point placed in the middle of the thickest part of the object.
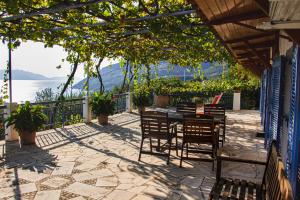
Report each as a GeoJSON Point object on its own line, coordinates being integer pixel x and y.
{"type": "Point", "coordinates": [33, 57]}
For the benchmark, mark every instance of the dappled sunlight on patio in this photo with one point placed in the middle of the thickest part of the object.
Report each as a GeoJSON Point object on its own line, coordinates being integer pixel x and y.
{"type": "Point", "coordinates": [101, 162]}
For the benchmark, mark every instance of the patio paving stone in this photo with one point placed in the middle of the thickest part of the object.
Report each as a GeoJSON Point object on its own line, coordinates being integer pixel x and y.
{"type": "Point", "coordinates": [107, 182]}
{"type": "Point", "coordinates": [56, 182]}
{"type": "Point", "coordinates": [120, 195]}
{"type": "Point", "coordinates": [17, 190]}
{"type": "Point", "coordinates": [63, 168]}
{"type": "Point", "coordinates": [48, 195]}
{"type": "Point", "coordinates": [87, 190]}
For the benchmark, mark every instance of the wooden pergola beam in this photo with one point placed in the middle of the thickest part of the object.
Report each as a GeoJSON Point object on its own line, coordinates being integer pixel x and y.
{"type": "Point", "coordinates": [262, 59]}
{"type": "Point", "coordinates": [263, 52]}
{"type": "Point", "coordinates": [237, 18]}
{"type": "Point", "coordinates": [54, 9]}
{"type": "Point", "coordinates": [104, 23]}
{"type": "Point", "coordinates": [265, 44]}
{"type": "Point", "coordinates": [251, 37]}
{"type": "Point", "coordinates": [253, 67]}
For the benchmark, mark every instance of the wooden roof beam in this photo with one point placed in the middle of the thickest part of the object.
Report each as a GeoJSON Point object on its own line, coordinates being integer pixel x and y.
{"type": "Point", "coordinates": [263, 52]}
{"type": "Point", "coordinates": [262, 59]}
{"type": "Point", "coordinates": [261, 30]}
{"type": "Point", "coordinates": [251, 37]}
{"type": "Point", "coordinates": [256, 69]}
{"type": "Point", "coordinates": [265, 44]}
{"type": "Point", "coordinates": [237, 18]}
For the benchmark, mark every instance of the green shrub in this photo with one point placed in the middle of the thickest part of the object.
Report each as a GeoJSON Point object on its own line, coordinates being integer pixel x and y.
{"type": "Point", "coordinates": [142, 96]}
{"type": "Point", "coordinates": [163, 86]}
{"type": "Point", "coordinates": [102, 103]}
{"type": "Point", "coordinates": [27, 118]}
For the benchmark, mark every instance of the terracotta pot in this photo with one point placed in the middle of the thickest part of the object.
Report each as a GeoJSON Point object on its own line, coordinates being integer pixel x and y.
{"type": "Point", "coordinates": [141, 109]}
{"type": "Point", "coordinates": [27, 138]}
{"type": "Point", "coordinates": [103, 119]}
{"type": "Point", "coordinates": [162, 101]}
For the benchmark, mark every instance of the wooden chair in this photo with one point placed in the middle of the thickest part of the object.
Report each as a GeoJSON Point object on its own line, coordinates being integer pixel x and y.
{"type": "Point", "coordinates": [156, 125]}
{"type": "Point", "coordinates": [187, 108]}
{"type": "Point", "coordinates": [217, 99]}
{"type": "Point", "coordinates": [218, 111]}
{"type": "Point", "coordinates": [217, 126]}
{"type": "Point", "coordinates": [275, 184]}
{"type": "Point", "coordinates": [198, 131]}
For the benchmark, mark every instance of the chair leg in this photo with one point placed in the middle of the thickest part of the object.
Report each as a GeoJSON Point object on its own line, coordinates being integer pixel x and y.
{"type": "Point", "coordinates": [169, 151]}
{"type": "Point", "coordinates": [182, 147]}
{"type": "Point", "coordinates": [213, 157]}
{"type": "Point", "coordinates": [224, 131]}
{"type": "Point", "coordinates": [141, 147]}
{"type": "Point", "coordinates": [176, 143]}
{"type": "Point", "coordinates": [150, 145]}
{"type": "Point", "coordinates": [187, 150]}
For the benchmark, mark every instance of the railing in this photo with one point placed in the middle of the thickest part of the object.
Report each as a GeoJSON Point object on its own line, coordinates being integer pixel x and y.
{"type": "Point", "coordinates": [2, 125]}
{"type": "Point", "coordinates": [120, 100]}
{"type": "Point", "coordinates": [250, 99]}
{"type": "Point", "coordinates": [227, 99]}
{"type": "Point", "coordinates": [67, 112]}
{"type": "Point", "coordinates": [120, 106]}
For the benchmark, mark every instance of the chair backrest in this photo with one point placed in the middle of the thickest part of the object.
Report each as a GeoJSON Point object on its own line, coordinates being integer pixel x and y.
{"type": "Point", "coordinates": [217, 99]}
{"type": "Point", "coordinates": [216, 110]}
{"type": "Point", "coordinates": [155, 124]}
{"type": "Point", "coordinates": [200, 130]}
{"type": "Point", "coordinates": [203, 116]}
{"type": "Point", "coordinates": [186, 107]}
{"type": "Point", "coordinates": [275, 181]}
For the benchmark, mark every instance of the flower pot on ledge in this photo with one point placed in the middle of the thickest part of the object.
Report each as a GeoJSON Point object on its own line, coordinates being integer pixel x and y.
{"type": "Point", "coordinates": [103, 119]}
{"type": "Point", "coordinates": [162, 101]}
{"type": "Point", "coordinates": [27, 138]}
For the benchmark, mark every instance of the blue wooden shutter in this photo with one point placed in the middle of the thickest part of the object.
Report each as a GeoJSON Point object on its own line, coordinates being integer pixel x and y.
{"type": "Point", "coordinates": [267, 112]}
{"type": "Point", "coordinates": [276, 100]}
{"type": "Point", "coordinates": [263, 97]}
{"type": "Point", "coordinates": [293, 154]}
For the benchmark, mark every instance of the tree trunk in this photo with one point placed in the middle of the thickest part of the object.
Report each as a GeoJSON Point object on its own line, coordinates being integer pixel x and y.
{"type": "Point", "coordinates": [125, 76]}
{"type": "Point", "coordinates": [61, 95]}
{"type": "Point", "coordinates": [102, 88]}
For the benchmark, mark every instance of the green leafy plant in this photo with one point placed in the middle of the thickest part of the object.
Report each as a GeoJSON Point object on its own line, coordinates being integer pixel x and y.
{"type": "Point", "coordinates": [142, 96]}
{"type": "Point", "coordinates": [27, 118]}
{"type": "Point", "coordinates": [102, 103]}
{"type": "Point", "coordinates": [163, 86]}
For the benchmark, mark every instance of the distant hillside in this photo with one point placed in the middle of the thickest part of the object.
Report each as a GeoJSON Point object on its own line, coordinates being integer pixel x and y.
{"type": "Point", "coordinates": [24, 75]}
{"type": "Point", "coordinates": [113, 75]}
{"type": "Point", "coordinates": [18, 74]}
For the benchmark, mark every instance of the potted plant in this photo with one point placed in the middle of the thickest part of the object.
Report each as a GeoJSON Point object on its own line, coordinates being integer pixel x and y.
{"type": "Point", "coordinates": [162, 89]}
{"type": "Point", "coordinates": [141, 97]}
{"type": "Point", "coordinates": [27, 119]}
{"type": "Point", "coordinates": [102, 106]}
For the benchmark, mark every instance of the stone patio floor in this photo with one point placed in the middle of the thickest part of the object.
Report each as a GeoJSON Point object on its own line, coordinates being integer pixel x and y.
{"type": "Point", "coordinates": [89, 161]}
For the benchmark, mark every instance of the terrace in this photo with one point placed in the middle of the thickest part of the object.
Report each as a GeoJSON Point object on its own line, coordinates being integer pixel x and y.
{"type": "Point", "coordinates": [90, 161]}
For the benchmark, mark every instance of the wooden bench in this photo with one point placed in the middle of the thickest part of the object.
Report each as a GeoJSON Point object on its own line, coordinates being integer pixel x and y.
{"type": "Point", "coordinates": [275, 185]}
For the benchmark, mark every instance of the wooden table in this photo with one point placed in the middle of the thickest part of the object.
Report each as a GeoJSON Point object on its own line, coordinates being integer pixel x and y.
{"type": "Point", "coordinates": [178, 117]}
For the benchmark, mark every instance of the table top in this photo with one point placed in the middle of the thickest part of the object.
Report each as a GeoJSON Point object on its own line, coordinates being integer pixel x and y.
{"type": "Point", "coordinates": [178, 117]}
